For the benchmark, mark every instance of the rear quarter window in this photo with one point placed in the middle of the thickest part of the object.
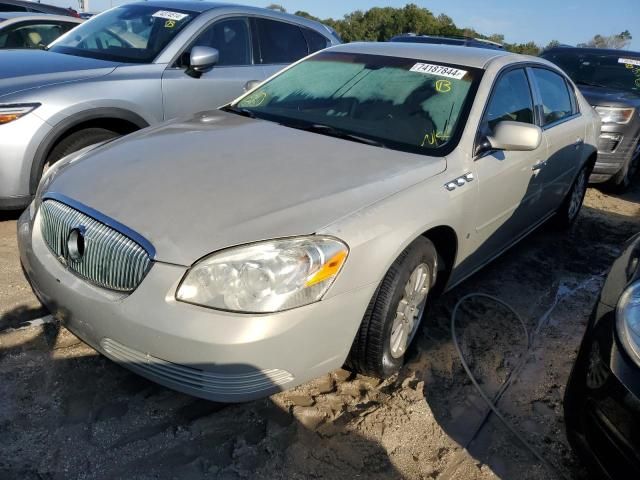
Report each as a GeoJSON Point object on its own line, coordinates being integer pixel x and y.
{"type": "Point", "coordinates": [315, 41]}
{"type": "Point", "coordinates": [280, 42]}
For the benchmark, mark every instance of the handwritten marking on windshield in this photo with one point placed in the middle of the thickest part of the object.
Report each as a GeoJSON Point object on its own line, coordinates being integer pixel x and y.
{"type": "Point", "coordinates": [443, 86]}
{"type": "Point", "coordinates": [431, 138]}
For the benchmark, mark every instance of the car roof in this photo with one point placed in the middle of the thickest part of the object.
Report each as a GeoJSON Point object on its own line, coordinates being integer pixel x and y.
{"type": "Point", "coordinates": [602, 51]}
{"type": "Point", "coordinates": [200, 6]}
{"type": "Point", "coordinates": [191, 5]}
{"type": "Point", "coordinates": [452, 54]}
{"type": "Point", "coordinates": [35, 15]}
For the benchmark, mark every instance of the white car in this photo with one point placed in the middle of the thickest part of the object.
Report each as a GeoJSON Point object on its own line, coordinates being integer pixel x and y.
{"type": "Point", "coordinates": [247, 250]}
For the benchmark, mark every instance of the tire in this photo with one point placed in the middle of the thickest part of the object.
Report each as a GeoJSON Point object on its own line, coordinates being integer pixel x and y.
{"type": "Point", "coordinates": [373, 352]}
{"type": "Point", "coordinates": [77, 141]}
{"type": "Point", "coordinates": [622, 180]}
{"type": "Point", "coordinates": [568, 212]}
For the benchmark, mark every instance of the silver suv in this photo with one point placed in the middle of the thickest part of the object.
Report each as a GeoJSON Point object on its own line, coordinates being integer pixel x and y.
{"type": "Point", "coordinates": [131, 67]}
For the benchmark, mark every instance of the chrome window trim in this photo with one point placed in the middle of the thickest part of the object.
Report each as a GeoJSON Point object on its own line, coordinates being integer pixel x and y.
{"type": "Point", "coordinates": [108, 221]}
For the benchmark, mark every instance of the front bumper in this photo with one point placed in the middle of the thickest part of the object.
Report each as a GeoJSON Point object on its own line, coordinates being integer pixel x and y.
{"type": "Point", "coordinates": [210, 354]}
{"type": "Point", "coordinates": [19, 141]}
{"type": "Point", "coordinates": [613, 154]}
{"type": "Point", "coordinates": [603, 423]}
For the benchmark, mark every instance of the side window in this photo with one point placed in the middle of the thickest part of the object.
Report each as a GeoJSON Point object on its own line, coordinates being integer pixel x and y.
{"type": "Point", "coordinates": [511, 100]}
{"type": "Point", "coordinates": [280, 42]}
{"type": "Point", "coordinates": [556, 102]}
{"type": "Point", "coordinates": [12, 8]}
{"type": "Point", "coordinates": [315, 41]}
{"type": "Point", "coordinates": [31, 35]}
{"type": "Point", "coordinates": [231, 38]}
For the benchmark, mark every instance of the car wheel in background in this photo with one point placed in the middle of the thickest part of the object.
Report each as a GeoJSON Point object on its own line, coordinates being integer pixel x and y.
{"type": "Point", "coordinates": [572, 204]}
{"type": "Point", "coordinates": [621, 182]}
{"type": "Point", "coordinates": [394, 313]}
{"type": "Point", "coordinates": [77, 141]}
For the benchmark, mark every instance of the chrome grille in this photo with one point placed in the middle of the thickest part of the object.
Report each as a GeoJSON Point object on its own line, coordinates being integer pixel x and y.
{"type": "Point", "coordinates": [186, 377]}
{"type": "Point", "coordinates": [110, 259]}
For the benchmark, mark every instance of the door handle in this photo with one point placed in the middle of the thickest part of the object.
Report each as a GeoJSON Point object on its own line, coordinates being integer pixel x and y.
{"type": "Point", "coordinates": [538, 166]}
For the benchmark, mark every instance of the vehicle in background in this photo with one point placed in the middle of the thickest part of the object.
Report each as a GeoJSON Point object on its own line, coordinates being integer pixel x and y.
{"type": "Point", "coordinates": [33, 30]}
{"type": "Point", "coordinates": [244, 251]}
{"type": "Point", "coordinates": [610, 81]}
{"type": "Point", "coordinates": [447, 40]}
{"type": "Point", "coordinates": [35, 7]}
{"type": "Point", "coordinates": [131, 67]}
{"type": "Point", "coordinates": [87, 15]}
{"type": "Point", "coordinates": [602, 398]}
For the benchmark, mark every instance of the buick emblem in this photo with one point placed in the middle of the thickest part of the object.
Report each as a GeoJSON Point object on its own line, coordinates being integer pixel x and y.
{"type": "Point", "coordinates": [75, 243]}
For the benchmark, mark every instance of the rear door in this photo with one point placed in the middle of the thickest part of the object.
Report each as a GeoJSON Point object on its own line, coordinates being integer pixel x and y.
{"type": "Point", "coordinates": [184, 94]}
{"type": "Point", "coordinates": [563, 131]}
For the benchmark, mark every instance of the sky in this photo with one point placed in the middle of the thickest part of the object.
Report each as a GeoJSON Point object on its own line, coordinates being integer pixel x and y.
{"type": "Point", "coordinates": [568, 21]}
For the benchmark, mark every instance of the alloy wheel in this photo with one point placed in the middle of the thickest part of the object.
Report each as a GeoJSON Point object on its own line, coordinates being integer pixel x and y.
{"type": "Point", "coordinates": [410, 310]}
{"type": "Point", "coordinates": [577, 195]}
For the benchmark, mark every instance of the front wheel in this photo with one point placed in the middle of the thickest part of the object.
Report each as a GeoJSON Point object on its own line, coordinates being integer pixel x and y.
{"type": "Point", "coordinates": [77, 141]}
{"type": "Point", "coordinates": [395, 312]}
{"type": "Point", "coordinates": [572, 204]}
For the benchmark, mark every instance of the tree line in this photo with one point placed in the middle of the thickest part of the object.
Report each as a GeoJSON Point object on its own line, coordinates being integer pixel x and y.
{"type": "Point", "coordinates": [379, 24]}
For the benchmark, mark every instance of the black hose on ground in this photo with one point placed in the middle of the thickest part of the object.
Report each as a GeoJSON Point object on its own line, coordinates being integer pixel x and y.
{"type": "Point", "coordinates": [492, 404]}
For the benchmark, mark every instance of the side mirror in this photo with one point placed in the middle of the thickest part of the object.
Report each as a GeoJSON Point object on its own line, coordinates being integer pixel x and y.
{"type": "Point", "coordinates": [201, 60]}
{"type": "Point", "coordinates": [515, 136]}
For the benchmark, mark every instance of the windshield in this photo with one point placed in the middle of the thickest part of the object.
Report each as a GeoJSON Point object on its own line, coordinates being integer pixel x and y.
{"type": "Point", "coordinates": [399, 103]}
{"type": "Point", "coordinates": [620, 71]}
{"type": "Point", "coordinates": [134, 33]}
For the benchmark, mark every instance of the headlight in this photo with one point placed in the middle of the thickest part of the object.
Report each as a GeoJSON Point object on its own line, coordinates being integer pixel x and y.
{"type": "Point", "coordinates": [628, 320]}
{"type": "Point", "coordinates": [9, 113]}
{"type": "Point", "coordinates": [617, 115]}
{"type": "Point", "coordinates": [265, 277]}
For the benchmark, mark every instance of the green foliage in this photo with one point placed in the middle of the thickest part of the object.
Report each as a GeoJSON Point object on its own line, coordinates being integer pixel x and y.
{"type": "Point", "coordinates": [275, 6]}
{"type": "Point", "coordinates": [619, 41]}
{"type": "Point", "coordinates": [379, 24]}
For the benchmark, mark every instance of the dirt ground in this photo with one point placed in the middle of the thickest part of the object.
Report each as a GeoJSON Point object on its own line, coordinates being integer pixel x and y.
{"type": "Point", "coordinates": [66, 412]}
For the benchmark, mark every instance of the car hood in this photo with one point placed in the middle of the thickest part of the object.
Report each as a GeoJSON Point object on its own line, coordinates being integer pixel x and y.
{"type": "Point", "coordinates": [597, 96]}
{"type": "Point", "coordinates": [193, 187]}
{"type": "Point", "coordinates": [25, 69]}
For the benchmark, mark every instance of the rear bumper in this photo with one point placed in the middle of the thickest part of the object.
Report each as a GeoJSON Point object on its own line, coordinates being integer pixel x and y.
{"type": "Point", "coordinates": [210, 354]}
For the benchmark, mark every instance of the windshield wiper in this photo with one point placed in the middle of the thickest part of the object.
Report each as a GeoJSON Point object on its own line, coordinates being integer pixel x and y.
{"type": "Point", "coordinates": [336, 132]}
{"type": "Point", "coordinates": [239, 111]}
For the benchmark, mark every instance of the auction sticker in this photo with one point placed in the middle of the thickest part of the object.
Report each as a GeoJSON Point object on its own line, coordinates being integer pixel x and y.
{"type": "Point", "coordinates": [439, 70]}
{"type": "Point", "coordinates": [167, 15]}
{"type": "Point", "coordinates": [629, 61]}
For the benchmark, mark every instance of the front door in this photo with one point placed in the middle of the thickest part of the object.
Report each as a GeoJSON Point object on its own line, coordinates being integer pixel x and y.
{"type": "Point", "coordinates": [184, 94]}
{"type": "Point", "coordinates": [508, 203]}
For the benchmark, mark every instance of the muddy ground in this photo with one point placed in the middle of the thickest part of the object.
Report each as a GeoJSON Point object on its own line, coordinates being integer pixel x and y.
{"type": "Point", "coordinates": [66, 412]}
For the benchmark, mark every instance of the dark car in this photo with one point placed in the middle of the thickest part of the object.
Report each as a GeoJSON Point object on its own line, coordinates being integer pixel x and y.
{"type": "Point", "coordinates": [610, 81]}
{"type": "Point", "coordinates": [25, 6]}
{"type": "Point", "coordinates": [447, 40]}
{"type": "Point", "coordinates": [602, 399]}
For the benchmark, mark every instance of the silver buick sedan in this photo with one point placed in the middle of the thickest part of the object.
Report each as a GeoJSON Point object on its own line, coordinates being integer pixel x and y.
{"type": "Point", "coordinates": [307, 224]}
